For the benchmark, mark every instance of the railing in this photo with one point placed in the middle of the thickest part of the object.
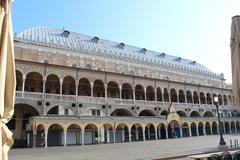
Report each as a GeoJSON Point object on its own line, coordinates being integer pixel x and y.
{"type": "Point", "coordinates": [102, 100]}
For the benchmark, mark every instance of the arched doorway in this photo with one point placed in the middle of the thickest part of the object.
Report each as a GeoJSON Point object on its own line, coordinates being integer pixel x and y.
{"type": "Point", "coordinates": [150, 132]}
{"type": "Point", "coordinates": [214, 128]}
{"type": "Point", "coordinates": [73, 134]}
{"type": "Point", "coordinates": [127, 92]}
{"type": "Point", "coordinates": [52, 84]}
{"type": "Point", "coordinates": [108, 133]}
{"type": "Point", "coordinates": [150, 93]}
{"type": "Point", "coordinates": [165, 95]}
{"type": "Point", "coordinates": [232, 127]}
{"type": "Point", "coordinates": [208, 128]}
{"type": "Point", "coordinates": [139, 92]}
{"type": "Point", "coordinates": [55, 135]}
{"type": "Point", "coordinates": [189, 96]}
{"type": "Point", "coordinates": [122, 134]}
{"type": "Point", "coordinates": [34, 82]}
{"type": "Point", "coordinates": [195, 97]}
{"type": "Point", "coordinates": [173, 95]}
{"type": "Point", "coordinates": [98, 89]}
{"type": "Point", "coordinates": [69, 86]}
{"type": "Point", "coordinates": [84, 87]}
{"type": "Point", "coordinates": [194, 129]}
{"type": "Point", "coordinates": [91, 135]}
{"type": "Point", "coordinates": [181, 96]}
{"type": "Point", "coordinates": [174, 129]}
{"type": "Point", "coordinates": [113, 90]}
{"type": "Point", "coordinates": [227, 127]}
{"type": "Point", "coordinates": [159, 94]}
{"type": "Point", "coordinates": [40, 136]}
{"type": "Point", "coordinates": [137, 132]}
{"type": "Point", "coordinates": [162, 131]}
{"type": "Point", "coordinates": [200, 129]}
{"type": "Point", "coordinates": [185, 130]}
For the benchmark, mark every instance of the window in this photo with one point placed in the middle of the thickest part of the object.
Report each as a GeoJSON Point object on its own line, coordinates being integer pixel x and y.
{"type": "Point", "coordinates": [95, 112]}
{"type": "Point", "coordinates": [65, 111]}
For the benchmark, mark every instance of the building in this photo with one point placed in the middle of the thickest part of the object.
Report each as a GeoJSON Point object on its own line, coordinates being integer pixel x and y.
{"type": "Point", "coordinates": [76, 89]}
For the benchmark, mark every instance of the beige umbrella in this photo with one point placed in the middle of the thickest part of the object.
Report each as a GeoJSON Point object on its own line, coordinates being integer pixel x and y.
{"type": "Point", "coordinates": [235, 50]}
{"type": "Point", "coordinates": [7, 77]}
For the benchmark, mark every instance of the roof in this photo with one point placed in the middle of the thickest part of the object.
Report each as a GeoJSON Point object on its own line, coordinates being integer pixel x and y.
{"type": "Point", "coordinates": [60, 38]}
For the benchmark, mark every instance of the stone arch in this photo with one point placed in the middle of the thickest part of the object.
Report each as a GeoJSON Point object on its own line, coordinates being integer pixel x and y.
{"type": "Point", "coordinates": [189, 96]}
{"type": "Point", "coordinates": [164, 113]}
{"type": "Point", "coordinates": [150, 131]}
{"type": "Point", "coordinates": [19, 80]}
{"type": "Point", "coordinates": [181, 96]}
{"type": "Point", "coordinates": [202, 98]}
{"type": "Point", "coordinates": [127, 91]}
{"type": "Point", "coordinates": [195, 114]}
{"type": "Point", "coordinates": [55, 135]}
{"type": "Point", "coordinates": [150, 93]}
{"type": "Point", "coordinates": [98, 88]}
{"type": "Point", "coordinates": [69, 86]}
{"type": "Point", "coordinates": [108, 133]}
{"type": "Point", "coordinates": [34, 82]}
{"type": "Point", "coordinates": [84, 87]}
{"type": "Point", "coordinates": [174, 129]}
{"type": "Point", "coordinates": [166, 95]}
{"type": "Point", "coordinates": [181, 113]}
{"type": "Point", "coordinates": [209, 98]}
{"type": "Point", "coordinates": [173, 95]}
{"type": "Point", "coordinates": [159, 94]}
{"type": "Point", "coordinates": [121, 112]}
{"type": "Point", "coordinates": [214, 128]}
{"type": "Point", "coordinates": [91, 134]}
{"type": "Point", "coordinates": [208, 128]}
{"type": "Point", "coordinates": [40, 135]}
{"type": "Point", "coordinates": [185, 129]}
{"type": "Point", "coordinates": [139, 92]}
{"type": "Point", "coordinates": [52, 84]}
{"type": "Point", "coordinates": [232, 126]}
{"type": "Point", "coordinates": [113, 90]}
{"type": "Point", "coordinates": [73, 134]}
{"type": "Point", "coordinates": [194, 129]}
{"type": "Point", "coordinates": [53, 110]}
{"type": "Point", "coordinates": [137, 132]}
{"type": "Point", "coordinates": [122, 133]}
{"type": "Point", "coordinates": [146, 112]}
{"type": "Point", "coordinates": [200, 129]}
{"type": "Point", "coordinates": [162, 131]}
{"type": "Point", "coordinates": [227, 127]}
{"type": "Point", "coordinates": [208, 114]}
{"type": "Point", "coordinates": [195, 97]}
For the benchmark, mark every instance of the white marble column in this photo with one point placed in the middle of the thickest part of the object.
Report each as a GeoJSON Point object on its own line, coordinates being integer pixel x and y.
{"type": "Point", "coordinates": [82, 137]}
{"type": "Point", "coordinates": [129, 134]}
{"type": "Point", "coordinates": [120, 94]}
{"type": "Point", "coordinates": [105, 89]}
{"type": "Point", "coordinates": [144, 138]}
{"type": "Point", "coordinates": [134, 96]}
{"type": "Point", "coordinates": [65, 138]}
{"type": "Point", "coordinates": [108, 136]}
{"type": "Point", "coordinates": [190, 131]}
{"type": "Point", "coordinates": [149, 134]}
{"type": "Point", "coordinates": [91, 85]}
{"type": "Point", "coordinates": [46, 139]}
{"type": "Point", "coordinates": [156, 135]}
{"type": "Point", "coordinates": [76, 84]}
{"type": "Point", "coordinates": [34, 138]}
{"type": "Point", "coordinates": [123, 135]}
{"type": "Point", "coordinates": [23, 86]}
{"type": "Point", "coordinates": [114, 136]}
{"type": "Point", "coordinates": [61, 89]}
{"type": "Point", "coordinates": [145, 94]}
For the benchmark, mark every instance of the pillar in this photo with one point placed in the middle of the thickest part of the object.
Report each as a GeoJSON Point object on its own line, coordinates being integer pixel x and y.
{"type": "Point", "coordinates": [120, 94]}
{"type": "Point", "coordinates": [108, 136]}
{"type": "Point", "coordinates": [211, 130]}
{"type": "Point", "coordinates": [156, 135]}
{"type": "Point", "coordinates": [34, 138]}
{"type": "Point", "coordinates": [99, 135]}
{"type": "Point", "coordinates": [204, 130]}
{"type": "Point", "coordinates": [105, 89]}
{"type": "Point", "coordinates": [137, 134]}
{"type": "Point", "coordinates": [163, 96]}
{"type": "Point", "coordinates": [129, 134]}
{"type": "Point", "coordinates": [92, 85]}
{"type": "Point", "coordinates": [82, 137]}
{"type": "Point", "coordinates": [65, 138]}
{"type": "Point", "coordinates": [61, 88]}
{"type": "Point", "coordinates": [44, 86]}
{"type": "Point", "coordinates": [143, 130]}
{"type": "Point", "coordinates": [181, 134]}
{"type": "Point", "coordinates": [134, 96]}
{"type": "Point", "coordinates": [177, 97]}
{"type": "Point", "coordinates": [159, 133]}
{"type": "Point", "coordinates": [190, 131]}
{"type": "Point", "coordinates": [114, 136]}
{"type": "Point", "coordinates": [235, 127]}
{"type": "Point", "coordinates": [76, 84]}
{"type": "Point", "coordinates": [166, 130]}
{"type": "Point", "coordinates": [197, 130]}
{"type": "Point", "coordinates": [123, 135]}
{"type": "Point", "coordinates": [45, 139]}
{"type": "Point", "coordinates": [199, 99]}
{"type": "Point", "coordinates": [145, 94]}
{"type": "Point", "coordinates": [23, 86]}
{"type": "Point", "coordinates": [155, 95]}
{"type": "Point", "coordinates": [149, 133]}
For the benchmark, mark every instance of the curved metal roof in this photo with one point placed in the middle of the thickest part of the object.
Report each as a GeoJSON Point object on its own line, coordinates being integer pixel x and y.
{"type": "Point", "coordinates": [79, 42]}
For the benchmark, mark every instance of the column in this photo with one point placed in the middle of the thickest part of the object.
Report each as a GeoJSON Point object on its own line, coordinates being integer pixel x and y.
{"type": "Point", "coordinates": [177, 97]}
{"type": "Point", "coordinates": [105, 89]}
{"type": "Point", "coordinates": [44, 85]}
{"type": "Point", "coordinates": [145, 94]}
{"type": "Point", "coordinates": [65, 138]}
{"type": "Point", "coordinates": [23, 86]}
{"type": "Point", "coordinates": [92, 85]}
{"type": "Point", "coordinates": [108, 136]}
{"type": "Point", "coordinates": [34, 138]}
{"type": "Point", "coordinates": [149, 134]}
{"type": "Point", "coordinates": [199, 99]}
{"type": "Point", "coordinates": [120, 94]}
{"type": "Point", "coordinates": [163, 96]}
{"type": "Point", "coordinates": [18, 126]}
{"type": "Point", "coordinates": [235, 127]}
{"type": "Point", "coordinates": [218, 132]}
{"type": "Point", "coordinates": [137, 134]}
{"type": "Point", "coordinates": [166, 130]}
{"type": "Point", "coordinates": [99, 135]}
{"type": "Point", "coordinates": [204, 130]}
{"type": "Point", "coordinates": [143, 134]}
{"type": "Point", "coordinates": [155, 92]}
{"type": "Point", "coordinates": [211, 130]}
{"type": "Point", "coordinates": [123, 135]}
{"type": "Point", "coordinates": [190, 132]}
{"type": "Point", "coordinates": [61, 88]}
{"type": "Point", "coordinates": [82, 137]}
{"type": "Point", "coordinates": [134, 96]}
{"type": "Point", "coordinates": [159, 133]}
{"type": "Point", "coordinates": [181, 134]}
{"type": "Point", "coordinates": [156, 135]}
{"type": "Point", "coordinates": [45, 138]}
{"type": "Point", "coordinates": [76, 83]}
{"type": "Point", "coordinates": [185, 96]}
{"type": "Point", "coordinates": [114, 136]}
{"type": "Point", "coordinates": [197, 130]}
{"type": "Point", "coordinates": [129, 134]}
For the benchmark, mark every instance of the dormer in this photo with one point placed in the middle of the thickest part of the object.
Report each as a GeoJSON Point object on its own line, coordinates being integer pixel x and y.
{"type": "Point", "coordinates": [121, 45]}
{"type": "Point", "coordinates": [143, 50]}
{"type": "Point", "coordinates": [162, 55]}
{"type": "Point", "coordinates": [95, 39]}
{"type": "Point", "coordinates": [65, 33]}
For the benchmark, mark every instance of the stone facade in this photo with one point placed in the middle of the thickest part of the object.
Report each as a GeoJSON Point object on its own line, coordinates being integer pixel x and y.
{"type": "Point", "coordinates": [70, 95]}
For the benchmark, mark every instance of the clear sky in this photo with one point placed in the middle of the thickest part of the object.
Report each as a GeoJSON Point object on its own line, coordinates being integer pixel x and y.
{"type": "Point", "coordinates": [194, 29]}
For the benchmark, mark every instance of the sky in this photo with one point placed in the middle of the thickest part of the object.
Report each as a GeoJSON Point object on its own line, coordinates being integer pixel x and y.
{"type": "Point", "coordinates": [193, 29]}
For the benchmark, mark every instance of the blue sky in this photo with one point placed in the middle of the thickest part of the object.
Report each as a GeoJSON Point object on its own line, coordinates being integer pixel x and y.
{"type": "Point", "coordinates": [194, 29]}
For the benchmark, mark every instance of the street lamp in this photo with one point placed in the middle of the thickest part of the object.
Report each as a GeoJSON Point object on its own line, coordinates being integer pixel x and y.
{"type": "Point", "coordinates": [222, 142]}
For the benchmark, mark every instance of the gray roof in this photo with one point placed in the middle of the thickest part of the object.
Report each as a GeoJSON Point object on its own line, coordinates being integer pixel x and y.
{"type": "Point", "coordinates": [81, 43]}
